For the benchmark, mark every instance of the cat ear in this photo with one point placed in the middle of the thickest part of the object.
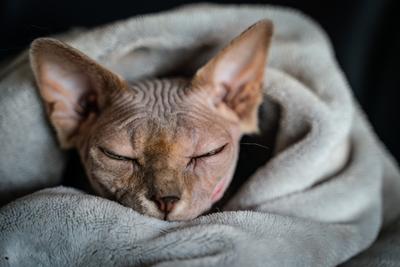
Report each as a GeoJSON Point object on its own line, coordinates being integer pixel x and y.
{"type": "Point", "coordinates": [73, 86]}
{"type": "Point", "coordinates": [236, 74]}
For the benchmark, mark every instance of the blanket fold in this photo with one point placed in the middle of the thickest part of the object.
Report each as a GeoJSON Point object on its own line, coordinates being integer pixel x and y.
{"type": "Point", "coordinates": [323, 197]}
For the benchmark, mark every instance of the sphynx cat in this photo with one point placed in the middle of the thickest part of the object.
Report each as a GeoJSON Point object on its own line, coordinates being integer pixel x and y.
{"type": "Point", "coordinates": [166, 148]}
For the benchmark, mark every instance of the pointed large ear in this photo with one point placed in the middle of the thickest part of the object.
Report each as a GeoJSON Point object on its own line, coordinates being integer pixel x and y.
{"type": "Point", "coordinates": [73, 87]}
{"type": "Point", "coordinates": [235, 75]}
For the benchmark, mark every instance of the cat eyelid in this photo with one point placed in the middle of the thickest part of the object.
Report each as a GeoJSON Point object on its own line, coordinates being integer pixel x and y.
{"type": "Point", "coordinates": [211, 153]}
{"type": "Point", "coordinates": [115, 156]}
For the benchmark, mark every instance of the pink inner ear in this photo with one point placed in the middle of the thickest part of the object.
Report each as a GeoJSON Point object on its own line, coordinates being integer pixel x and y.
{"type": "Point", "coordinates": [236, 74]}
{"type": "Point", "coordinates": [64, 86]}
{"type": "Point", "coordinates": [70, 84]}
{"type": "Point", "coordinates": [241, 62]}
{"type": "Point", "coordinates": [235, 66]}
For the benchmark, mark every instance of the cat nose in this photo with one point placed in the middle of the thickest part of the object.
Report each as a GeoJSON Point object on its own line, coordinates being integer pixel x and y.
{"type": "Point", "coordinates": [166, 204]}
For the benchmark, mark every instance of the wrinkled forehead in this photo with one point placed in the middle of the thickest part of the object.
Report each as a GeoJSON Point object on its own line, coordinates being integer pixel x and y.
{"type": "Point", "coordinates": [161, 112]}
{"type": "Point", "coordinates": [161, 97]}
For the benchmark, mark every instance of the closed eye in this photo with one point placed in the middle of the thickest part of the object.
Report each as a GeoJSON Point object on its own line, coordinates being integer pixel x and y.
{"type": "Point", "coordinates": [112, 155]}
{"type": "Point", "coordinates": [193, 160]}
{"type": "Point", "coordinates": [211, 153]}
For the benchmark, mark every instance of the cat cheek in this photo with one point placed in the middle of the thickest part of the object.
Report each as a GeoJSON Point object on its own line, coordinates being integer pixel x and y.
{"type": "Point", "coordinates": [219, 189]}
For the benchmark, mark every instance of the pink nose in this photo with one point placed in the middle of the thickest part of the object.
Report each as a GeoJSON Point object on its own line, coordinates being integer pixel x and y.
{"type": "Point", "coordinates": [166, 204]}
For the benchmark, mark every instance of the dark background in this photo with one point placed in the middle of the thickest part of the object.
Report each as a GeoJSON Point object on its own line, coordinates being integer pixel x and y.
{"type": "Point", "coordinates": [365, 35]}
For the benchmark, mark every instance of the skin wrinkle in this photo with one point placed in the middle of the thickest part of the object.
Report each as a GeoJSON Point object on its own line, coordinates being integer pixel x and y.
{"type": "Point", "coordinates": [159, 95]}
{"type": "Point", "coordinates": [163, 128]}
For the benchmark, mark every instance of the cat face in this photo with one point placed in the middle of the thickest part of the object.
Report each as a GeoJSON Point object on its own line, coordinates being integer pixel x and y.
{"type": "Point", "coordinates": [165, 147]}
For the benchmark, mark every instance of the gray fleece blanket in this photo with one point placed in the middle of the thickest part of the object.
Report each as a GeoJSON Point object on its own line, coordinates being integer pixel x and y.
{"type": "Point", "coordinates": [327, 192]}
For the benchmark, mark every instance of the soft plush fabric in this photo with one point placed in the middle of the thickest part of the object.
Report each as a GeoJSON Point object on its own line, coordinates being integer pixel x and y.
{"type": "Point", "coordinates": [30, 158]}
{"type": "Point", "coordinates": [323, 197]}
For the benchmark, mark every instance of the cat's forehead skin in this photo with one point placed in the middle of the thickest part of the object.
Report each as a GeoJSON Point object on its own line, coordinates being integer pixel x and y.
{"type": "Point", "coordinates": [167, 110]}
{"type": "Point", "coordinates": [159, 98]}
{"type": "Point", "coordinates": [152, 103]}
